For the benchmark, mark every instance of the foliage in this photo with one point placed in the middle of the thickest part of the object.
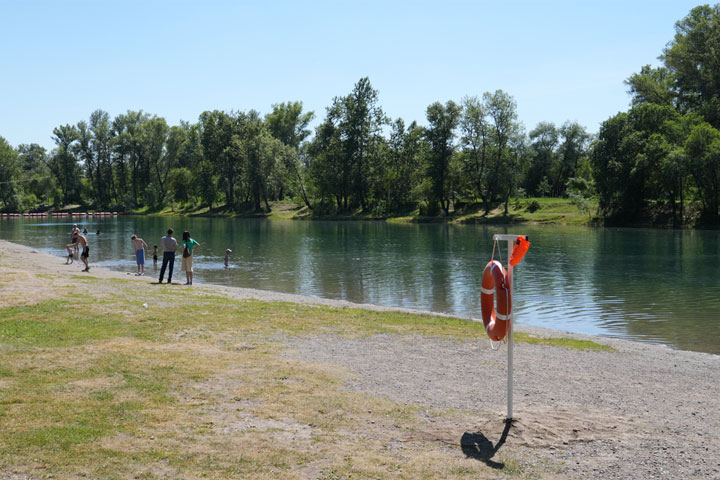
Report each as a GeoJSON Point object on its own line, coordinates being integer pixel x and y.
{"type": "Point", "coordinates": [663, 152]}
{"type": "Point", "coordinates": [533, 206]}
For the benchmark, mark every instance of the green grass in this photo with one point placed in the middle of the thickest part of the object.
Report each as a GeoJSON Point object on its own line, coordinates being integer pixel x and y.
{"type": "Point", "coordinates": [562, 342]}
{"type": "Point", "coordinates": [96, 385]}
{"type": "Point", "coordinates": [551, 211]}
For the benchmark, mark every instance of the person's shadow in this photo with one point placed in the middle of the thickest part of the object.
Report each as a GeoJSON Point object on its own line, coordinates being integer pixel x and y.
{"type": "Point", "coordinates": [477, 446]}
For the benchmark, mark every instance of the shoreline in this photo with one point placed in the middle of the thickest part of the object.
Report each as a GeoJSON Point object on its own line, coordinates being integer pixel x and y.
{"type": "Point", "coordinates": [637, 412]}
{"type": "Point", "coordinates": [242, 293]}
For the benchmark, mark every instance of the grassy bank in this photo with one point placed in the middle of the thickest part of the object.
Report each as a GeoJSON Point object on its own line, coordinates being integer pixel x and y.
{"type": "Point", "coordinates": [526, 210]}
{"type": "Point", "coordinates": [116, 378]}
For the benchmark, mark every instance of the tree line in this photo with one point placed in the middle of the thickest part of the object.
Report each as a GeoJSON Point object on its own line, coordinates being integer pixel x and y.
{"type": "Point", "coordinates": [662, 157]}
{"type": "Point", "coordinates": [358, 159]}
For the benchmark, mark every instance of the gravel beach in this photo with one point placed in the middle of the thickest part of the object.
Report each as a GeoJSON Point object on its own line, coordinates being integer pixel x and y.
{"type": "Point", "coordinates": [639, 412]}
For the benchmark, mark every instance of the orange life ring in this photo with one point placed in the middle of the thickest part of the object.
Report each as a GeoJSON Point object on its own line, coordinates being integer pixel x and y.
{"type": "Point", "coordinates": [495, 281]}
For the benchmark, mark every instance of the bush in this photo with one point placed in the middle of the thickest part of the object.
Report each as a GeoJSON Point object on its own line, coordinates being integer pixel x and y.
{"type": "Point", "coordinates": [533, 206]}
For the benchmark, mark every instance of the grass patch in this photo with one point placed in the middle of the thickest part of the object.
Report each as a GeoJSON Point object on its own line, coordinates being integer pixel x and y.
{"type": "Point", "coordinates": [562, 342]}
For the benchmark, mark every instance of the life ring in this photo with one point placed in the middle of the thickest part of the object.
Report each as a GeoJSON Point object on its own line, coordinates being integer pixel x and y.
{"type": "Point", "coordinates": [495, 281]}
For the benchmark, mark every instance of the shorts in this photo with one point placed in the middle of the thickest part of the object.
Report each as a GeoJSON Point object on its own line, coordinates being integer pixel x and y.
{"type": "Point", "coordinates": [155, 258]}
{"type": "Point", "coordinates": [140, 256]}
{"type": "Point", "coordinates": [85, 252]}
{"type": "Point", "coordinates": [187, 264]}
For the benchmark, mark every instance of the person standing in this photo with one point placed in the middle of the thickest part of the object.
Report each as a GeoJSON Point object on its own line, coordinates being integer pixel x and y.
{"type": "Point", "coordinates": [140, 247]}
{"type": "Point", "coordinates": [169, 245]}
{"type": "Point", "coordinates": [74, 240]}
{"type": "Point", "coordinates": [189, 244]}
{"type": "Point", "coordinates": [82, 241]}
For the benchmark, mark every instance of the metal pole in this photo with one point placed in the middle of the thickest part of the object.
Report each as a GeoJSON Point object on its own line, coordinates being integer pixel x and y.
{"type": "Point", "coordinates": [510, 338]}
{"type": "Point", "coordinates": [510, 239]}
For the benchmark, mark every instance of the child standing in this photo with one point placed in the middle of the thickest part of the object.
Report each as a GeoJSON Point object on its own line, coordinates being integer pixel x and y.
{"type": "Point", "coordinates": [227, 257]}
{"type": "Point", "coordinates": [155, 257]}
{"type": "Point", "coordinates": [140, 247]}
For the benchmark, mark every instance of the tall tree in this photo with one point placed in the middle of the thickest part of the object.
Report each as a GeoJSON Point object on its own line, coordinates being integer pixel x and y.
{"type": "Point", "coordinates": [502, 112]}
{"type": "Point", "coordinates": [362, 124]}
{"type": "Point", "coordinates": [63, 163]}
{"type": "Point", "coordinates": [155, 134]}
{"type": "Point", "coordinates": [218, 129]}
{"type": "Point", "coordinates": [33, 163]}
{"type": "Point", "coordinates": [440, 134]}
{"type": "Point", "coordinates": [476, 144]}
{"type": "Point", "coordinates": [693, 58]}
{"type": "Point", "coordinates": [543, 143]}
{"type": "Point", "coordinates": [703, 149]}
{"type": "Point", "coordinates": [571, 151]}
{"type": "Point", "coordinates": [652, 85]}
{"type": "Point", "coordinates": [289, 124]}
{"type": "Point", "coordinates": [130, 156]}
{"type": "Point", "coordinates": [9, 176]}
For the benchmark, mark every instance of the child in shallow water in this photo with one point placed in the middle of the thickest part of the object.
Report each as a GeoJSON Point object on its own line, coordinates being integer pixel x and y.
{"type": "Point", "coordinates": [69, 248]}
{"type": "Point", "coordinates": [227, 257]}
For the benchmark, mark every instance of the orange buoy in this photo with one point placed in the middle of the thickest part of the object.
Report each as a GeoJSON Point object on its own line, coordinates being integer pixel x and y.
{"type": "Point", "coordinates": [495, 281]}
{"type": "Point", "coordinates": [519, 250]}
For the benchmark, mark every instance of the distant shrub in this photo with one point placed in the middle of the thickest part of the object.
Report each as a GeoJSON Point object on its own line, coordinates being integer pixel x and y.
{"type": "Point", "coordinates": [533, 206]}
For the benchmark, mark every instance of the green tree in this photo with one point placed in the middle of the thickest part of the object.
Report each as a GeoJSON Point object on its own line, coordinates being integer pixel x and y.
{"type": "Point", "coordinates": [476, 144]}
{"type": "Point", "coordinates": [693, 59]}
{"type": "Point", "coordinates": [94, 151]}
{"type": "Point", "coordinates": [64, 165]}
{"type": "Point", "coordinates": [440, 134]}
{"type": "Point", "coordinates": [218, 129]}
{"type": "Point", "coordinates": [505, 134]}
{"type": "Point", "coordinates": [327, 166]}
{"type": "Point", "coordinates": [703, 149]}
{"type": "Point", "coordinates": [355, 122]}
{"type": "Point", "coordinates": [33, 163]}
{"type": "Point", "coordinates": [131, 168]}
{"type": "Point", "coordinates": [543, 144]}
{"type": "Point", "coordinates": [9, 176]}
{"type": "Point", "coordinates": [155, 135]}
{"type": "Point", "coordinates": [289, 124]}
{"type": "Point", "coordinates": [652, 85]}
{"type": "Point", "coordinates": [571, 152]}
{"type": "Point", "coordinates": [180, 184]}
{"type": "Point", "coordinates": [628, 159]}
{"type": "Point", "coordinates": [401, 172]}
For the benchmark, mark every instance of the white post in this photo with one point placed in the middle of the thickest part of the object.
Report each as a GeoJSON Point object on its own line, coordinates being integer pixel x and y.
{"type": "Point", "coordinates": [510, 239]}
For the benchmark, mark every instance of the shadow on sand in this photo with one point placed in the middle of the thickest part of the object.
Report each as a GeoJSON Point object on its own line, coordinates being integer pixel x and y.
{"type": "Point", "coordinates": [477, 446]}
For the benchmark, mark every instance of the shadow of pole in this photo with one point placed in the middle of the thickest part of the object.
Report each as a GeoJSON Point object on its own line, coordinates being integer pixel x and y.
{"type": "Point", "coordinates": [477, 446]}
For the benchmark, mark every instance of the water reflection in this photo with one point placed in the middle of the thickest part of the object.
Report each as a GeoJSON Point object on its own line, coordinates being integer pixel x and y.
{"type": "Point", "coordinates": [650, 285]}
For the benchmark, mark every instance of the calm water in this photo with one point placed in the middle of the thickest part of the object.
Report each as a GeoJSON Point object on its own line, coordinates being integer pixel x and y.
{"type": "Point", "coordinates": [656, 286]}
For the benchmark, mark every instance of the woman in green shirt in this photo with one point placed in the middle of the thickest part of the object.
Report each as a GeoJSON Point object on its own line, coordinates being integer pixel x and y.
{"type": "Point", "coordinates": [189, 245]}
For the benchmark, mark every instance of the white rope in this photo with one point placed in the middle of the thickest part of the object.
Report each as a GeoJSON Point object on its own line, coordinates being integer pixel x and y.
{"type": "Point", "coordinates": [493, 347]}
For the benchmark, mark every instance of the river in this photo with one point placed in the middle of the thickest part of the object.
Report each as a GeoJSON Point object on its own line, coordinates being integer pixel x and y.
{"type": "Point", "coordinates": [658, 286]}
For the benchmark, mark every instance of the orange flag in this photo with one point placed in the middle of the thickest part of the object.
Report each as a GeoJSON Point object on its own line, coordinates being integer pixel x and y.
{"type": "Point", "coordinates": [519, 250]}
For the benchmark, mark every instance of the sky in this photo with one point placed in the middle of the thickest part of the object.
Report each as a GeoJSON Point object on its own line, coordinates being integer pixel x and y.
{"type": "Point", "coordinates": [560, 60]}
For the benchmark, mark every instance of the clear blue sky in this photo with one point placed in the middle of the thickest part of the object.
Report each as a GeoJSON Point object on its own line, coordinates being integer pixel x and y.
{"type": "Point", "coordinates": [560, 60]}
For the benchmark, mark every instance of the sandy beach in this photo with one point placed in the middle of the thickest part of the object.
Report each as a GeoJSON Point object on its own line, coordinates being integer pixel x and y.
{"type": "Point", "coordinates": [638, 412]}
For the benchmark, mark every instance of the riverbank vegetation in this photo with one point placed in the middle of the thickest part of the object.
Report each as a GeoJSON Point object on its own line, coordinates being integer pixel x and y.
{"type": "Point", "coordinates": [658, 163]}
